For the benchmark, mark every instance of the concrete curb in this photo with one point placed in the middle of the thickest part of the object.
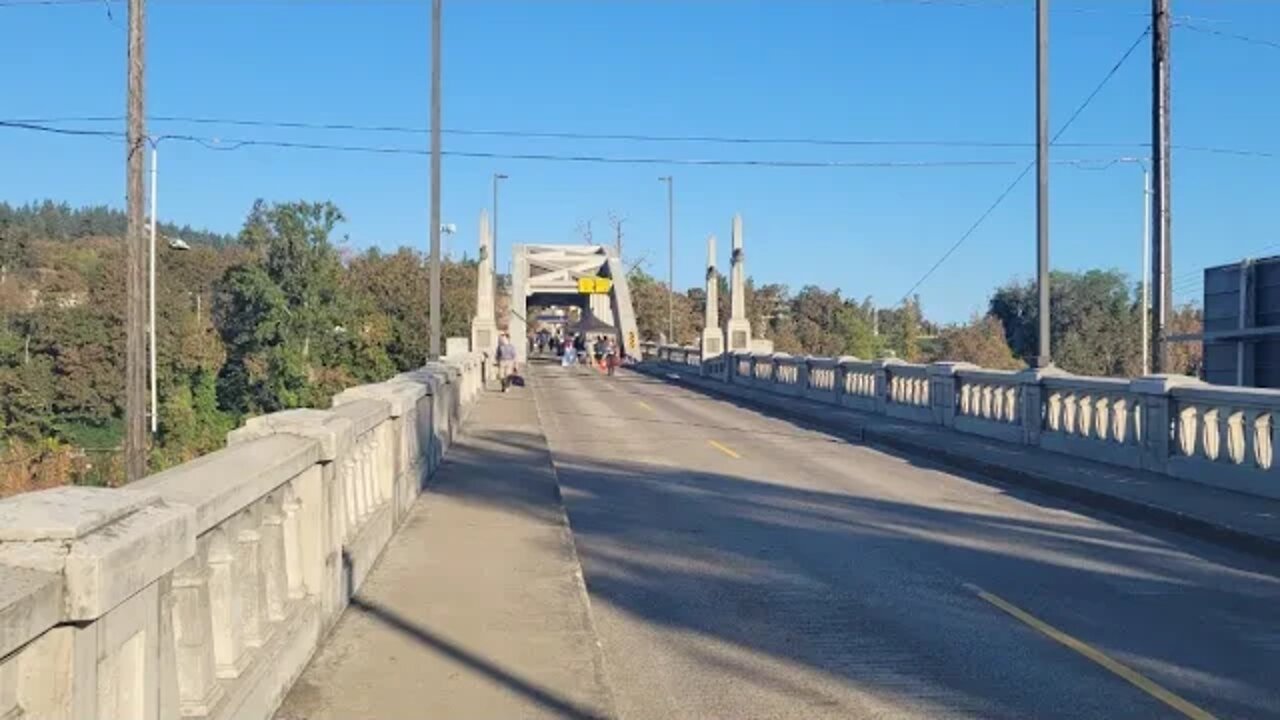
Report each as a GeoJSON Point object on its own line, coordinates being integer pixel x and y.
{"type": "Point", "coordinates": [580, 578]}
{"type": "Point", "coordinates": [1198, 527]}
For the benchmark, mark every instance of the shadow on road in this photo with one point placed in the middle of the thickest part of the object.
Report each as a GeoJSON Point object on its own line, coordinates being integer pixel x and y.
{"type": "Point", "coordinates": [870, 590]}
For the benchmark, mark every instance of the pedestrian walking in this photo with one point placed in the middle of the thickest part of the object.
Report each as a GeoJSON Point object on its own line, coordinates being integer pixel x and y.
{"type": "Point", "coordinates": [506, 356]}
{"type": "Point", "coordinates": [611, 355]}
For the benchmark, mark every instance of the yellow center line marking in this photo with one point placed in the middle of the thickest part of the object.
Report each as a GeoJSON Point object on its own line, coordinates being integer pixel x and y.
{"type": "Point", "coordinates": [645, 405]}
{"type": "Point", "coordinates": [723, 449]}
{"type": "Point", "coordinates": [1133, 677]}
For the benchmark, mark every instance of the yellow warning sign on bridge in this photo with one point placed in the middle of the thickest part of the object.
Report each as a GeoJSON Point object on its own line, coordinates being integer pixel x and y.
{"type": "Point", "coordinates": [594, 285]}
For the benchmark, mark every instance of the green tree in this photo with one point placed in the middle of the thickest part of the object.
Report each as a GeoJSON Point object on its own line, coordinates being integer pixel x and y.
{"type": "Point", "coordinates": [981, 342]}
{"type": "Point", "coordinates": [901, 328]}
{"type": "Point", "coordinates": [649, 301]}
{"type": "Point", "coordinates": [1094, 328]}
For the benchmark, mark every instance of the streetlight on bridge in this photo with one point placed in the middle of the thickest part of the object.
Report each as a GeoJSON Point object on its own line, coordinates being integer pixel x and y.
{"type": "Point", "coordinates": [496, 177]}
{"type": "Point", "coordinates": [671, 257]}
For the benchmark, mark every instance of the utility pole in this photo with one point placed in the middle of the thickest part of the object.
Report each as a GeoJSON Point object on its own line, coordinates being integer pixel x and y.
{"type": "Point", "coordinates": [1161, 245]}
{"type": "Point", "coordinates": [434, 348]}
{"type": "Point", "coordinates": [671, 258]}
{"type": "Point", "coordinates": [135, 413]}
{"type": "Point", "coordinates": [1146, 271]}
{"type": "Point", "coordinates": [1044, 357]}
{"type": "Point", "coordinates": [616, 222]}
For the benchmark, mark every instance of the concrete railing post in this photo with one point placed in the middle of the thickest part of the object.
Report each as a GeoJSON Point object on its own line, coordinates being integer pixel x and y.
{"type": "Point", "coordinates": [943, 385]}
{"type": "Point", "coordinates": [89, 643]}
{"type": "Point", "coordinates": [802, 375]}
{"type": "Point", "coordinates": [841, 378]}
{"type": "Point", "coordinates": [883, 378]}
{"type": "Point", "coordinates": [1032, 398]}
{"type": "Point", "coordinates": [1156, 399]}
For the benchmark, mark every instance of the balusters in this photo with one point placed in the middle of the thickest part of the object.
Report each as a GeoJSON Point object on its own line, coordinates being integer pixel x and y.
{"type": "Point", "coordinates": [194, 646]}
{"type": "Point", "coordinates": [1262, 429]}
{"type": "Point", "coordinates": [363, 486]}
{"type": "Point", "coordinates": [1101, 418]}
{"type": "Point", "coordinates": [1119, 420]}
{"type": "Point", "coordinates": [275, 573]}
{"type": "Point", "coordinates": [1069, 413]}
{"type": "Point", "coordinates": [1209, 433]}
{"type": "Point", "coordinates": [1011, 404]}
{"type": "Point", "coordinates": [225, 601]}
{"type": "Point", "coordinates": [290, 506]}
{"type": "Point", "coordinates": [1187, 431]}
{"type": "Point", "coordinates": [248, 560]}
{"type": "Point", "coordinates": [1236, 437]}
{"type": "Point", "coordinates": [348, 475]}
{"type": "Point", "coordinates": [1084, 417]}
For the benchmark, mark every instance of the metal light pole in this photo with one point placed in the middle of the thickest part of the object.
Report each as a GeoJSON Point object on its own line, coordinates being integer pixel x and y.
{"type": "Point", "coordinates": [151, 295]}
{"type": "Point", "coordinates": [494, 250]}
{"type": "Point", "coordinates": [434, 348]}
{"type": "Point", "coordinates": [671, 257]}
{"type": "Point", "coordinates": [1044, 358]}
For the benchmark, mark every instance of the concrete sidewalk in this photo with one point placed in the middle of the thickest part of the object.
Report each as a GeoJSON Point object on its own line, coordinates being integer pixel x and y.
{"type": "Point", "coordinates": [477, 608]}
{"type": "Point", "coordinates": [1235, 520]}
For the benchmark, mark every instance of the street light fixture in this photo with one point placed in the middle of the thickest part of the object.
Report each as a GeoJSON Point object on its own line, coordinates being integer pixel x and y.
{"type": "Point", "coordinates": [496, 177]}
{"type": "Point", "coordinates": [494, 248]}
{"type": "Point", "coordinates": [448, 229]}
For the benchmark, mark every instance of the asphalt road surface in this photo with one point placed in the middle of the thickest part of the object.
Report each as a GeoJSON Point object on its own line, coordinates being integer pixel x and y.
{"type": "Point", "coordinates": [739, 566]}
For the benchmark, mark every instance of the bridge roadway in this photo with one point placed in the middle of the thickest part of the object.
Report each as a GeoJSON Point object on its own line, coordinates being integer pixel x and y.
{"type": "Point", "coordinates": [738, 566]}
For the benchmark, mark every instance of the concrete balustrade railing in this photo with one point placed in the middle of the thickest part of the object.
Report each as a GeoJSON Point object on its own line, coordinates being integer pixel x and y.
{"type": "Point", "coordinates": [1225, 436]}
{"type": "Point", "coordinates": [1178, 426]}
{"type": "Point", "coordinates": [202, 591]}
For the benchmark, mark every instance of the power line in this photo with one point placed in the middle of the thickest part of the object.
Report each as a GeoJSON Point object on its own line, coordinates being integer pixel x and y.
{"type": "Point", "coordinates": [71, 3]}
{"type": "Point", "coordinates": [36, 126]}
{"type": "Point", "coordinates": [231, 144]}
{"type": "Point", "coordinates": [639, 137]}
{"type": "Point", "coordinates": [1229, 35]}
{"type": "Point", "coordinates": [1009, 190]}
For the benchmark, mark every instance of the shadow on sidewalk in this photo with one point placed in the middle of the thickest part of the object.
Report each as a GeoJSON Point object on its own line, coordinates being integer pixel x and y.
{"type": "Point", "coordinates": [471, 661]}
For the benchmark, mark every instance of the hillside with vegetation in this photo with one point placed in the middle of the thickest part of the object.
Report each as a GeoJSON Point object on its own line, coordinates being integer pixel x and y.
{"type": "Point", "coordinates": [279, 316]}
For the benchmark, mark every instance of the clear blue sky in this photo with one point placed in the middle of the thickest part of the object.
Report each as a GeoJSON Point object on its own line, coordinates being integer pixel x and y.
{"type": "Point", "coordinates": [858, 69]}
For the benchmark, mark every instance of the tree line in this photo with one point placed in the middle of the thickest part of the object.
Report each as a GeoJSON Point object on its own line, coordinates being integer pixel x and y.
{"type": "Point", "coordinates": [284, 315]}
{"type": "Point", "coordinates": [1095, 325]}
{"type": "Point", "coordinates": [280, 316]}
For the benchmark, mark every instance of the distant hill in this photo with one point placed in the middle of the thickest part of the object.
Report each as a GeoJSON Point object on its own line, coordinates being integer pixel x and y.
{"type": "Point", "coordinates": [49, 220]}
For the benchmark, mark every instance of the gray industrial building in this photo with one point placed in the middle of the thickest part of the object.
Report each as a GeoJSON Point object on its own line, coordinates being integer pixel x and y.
{"type": "Point", "coordinates": [1242, 323]}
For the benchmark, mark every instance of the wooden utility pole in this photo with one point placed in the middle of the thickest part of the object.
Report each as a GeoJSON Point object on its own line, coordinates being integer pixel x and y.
{"type": "Point", "coordinates": [135, 412]}
{"type": "Point", "coordinates": [435, 181]}
{"type": "Point", "coordinates": [616, 222]}
{"type": "Point", "coordinates": [1161, 255]}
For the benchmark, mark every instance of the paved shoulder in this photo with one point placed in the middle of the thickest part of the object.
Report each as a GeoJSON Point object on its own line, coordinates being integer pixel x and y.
{"type": "Point", "coordinates": [476, 609]}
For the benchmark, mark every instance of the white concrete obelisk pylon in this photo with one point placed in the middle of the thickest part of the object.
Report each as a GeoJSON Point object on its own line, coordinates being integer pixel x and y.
{"type": "Point", "coordinates": [738, 331]}
{"type": "Point", "coordinates": [484, 330]}
{"type": "Point", "coordinates": [712, 335]}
